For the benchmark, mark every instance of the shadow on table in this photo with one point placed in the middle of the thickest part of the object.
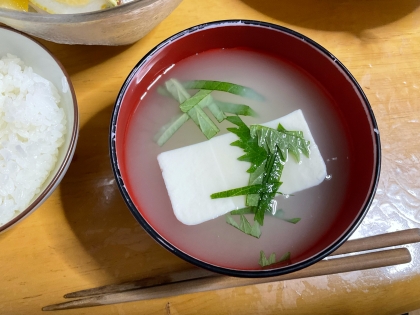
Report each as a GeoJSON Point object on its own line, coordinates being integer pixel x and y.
{"type": "Point", "coordinates": [352, 16]}
{"type": "Point", "coordinates": [76, 58]}
{"type": "Point", "coordinates": [99, 217]}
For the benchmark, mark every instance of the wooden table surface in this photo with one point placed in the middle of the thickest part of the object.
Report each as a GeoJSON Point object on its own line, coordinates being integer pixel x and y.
{"type": "Point", "coordinates": [84, 236]}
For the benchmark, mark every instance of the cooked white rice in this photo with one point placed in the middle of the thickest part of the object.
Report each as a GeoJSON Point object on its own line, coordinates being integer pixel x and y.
{"type": "Point", "coordinates": [32, 128]}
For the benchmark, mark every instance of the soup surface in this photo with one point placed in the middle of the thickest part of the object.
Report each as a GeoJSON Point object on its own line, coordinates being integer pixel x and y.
{"type": "Point", "coordinates": [286, 88]}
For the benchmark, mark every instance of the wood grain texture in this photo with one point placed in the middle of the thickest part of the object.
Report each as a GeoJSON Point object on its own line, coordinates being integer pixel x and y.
{"type": "Point", "coordinates": [380, 241]}
{"type": "Point", "coordinates": [217, 282]}
{"type": "Point", "coordinates": [84, 236]}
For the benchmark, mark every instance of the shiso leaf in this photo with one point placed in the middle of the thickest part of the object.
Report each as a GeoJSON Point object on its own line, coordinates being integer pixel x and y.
{"type": "Point", "coordinates": [224, 87]}
{"type": "Point", "coordinates": [201, 99]}
{"type": "Point", "coordinates": [285, 257]}
{"type": "Point", "coordinates": [285, 141]}
{"type": "Point", "coordinates": [255, 178]}
{"type": "Point", "coordinates": [281, 215]}
{"type": "Point", "coordinates": [254, 153]}
{"type": "Point", "coordinates": [206, 125]}
{"type": "Point", "coordinates": [175, 88]}
{"type": "Point", "coordinates": [245, 226]}
{"type": "Point", "coordinates": [246, 210]}
{"type": "Point", "coordinates": [170, 128]}
{"type": "Point", "coordinates": [193, 101]}
{"type": "Point", "coordinates": [216, 111]}
{"type": "Point", "coordinates": [266, 149]}
{"type": "Point", "coordinates": [264, 261]}
{"type": "Point", "coordinates": [254, 189]}
{"type": "Point", "coordinates": [212, 105]}
{"type": "Point", "coordinates": [272, 173]}
{"type": "Point", "coordinates": [236, 109]}
{"type": "Point", "coordinates": [293, 220]}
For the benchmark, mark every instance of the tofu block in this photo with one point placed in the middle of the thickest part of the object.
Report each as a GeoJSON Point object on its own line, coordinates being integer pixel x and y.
{"type": "Point", "coordinates": [194, 172]}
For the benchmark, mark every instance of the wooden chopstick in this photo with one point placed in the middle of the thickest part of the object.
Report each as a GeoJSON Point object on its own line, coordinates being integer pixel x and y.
{"type": "Point", "coordinates": [379, 241]}
{"type": "Point", "coordinates": [324, 267]}
{"type": "Point", "coordinates": [199, 280]}
{"type": "Point", "coordinates": [192, 273]}
{"type": "Point", "coordinates": [357, 245]}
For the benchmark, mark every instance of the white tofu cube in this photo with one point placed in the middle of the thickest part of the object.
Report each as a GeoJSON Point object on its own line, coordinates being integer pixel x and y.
{"type": "Point", "coordinates": [193, 173]}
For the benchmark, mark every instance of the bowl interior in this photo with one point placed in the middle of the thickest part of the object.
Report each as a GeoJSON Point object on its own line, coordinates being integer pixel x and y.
{"type": "Point", "coordinates": [344, 99]}
{"type": "Point", "coordinates": [42, 61]}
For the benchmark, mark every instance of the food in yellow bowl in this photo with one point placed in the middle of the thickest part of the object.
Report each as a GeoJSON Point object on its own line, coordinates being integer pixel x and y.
{"type": "Point", "coordinates": [72, 6]}
{"type": "Point", "coordinates": [21, 5]}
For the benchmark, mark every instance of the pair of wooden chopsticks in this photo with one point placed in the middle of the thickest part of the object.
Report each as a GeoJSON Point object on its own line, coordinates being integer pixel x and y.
{"type": "Point", "coordinates": [199, 280]}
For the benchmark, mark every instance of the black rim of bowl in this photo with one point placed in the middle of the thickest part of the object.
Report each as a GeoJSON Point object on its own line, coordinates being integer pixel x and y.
{"type": "Point", "coordinates": [235, 272]}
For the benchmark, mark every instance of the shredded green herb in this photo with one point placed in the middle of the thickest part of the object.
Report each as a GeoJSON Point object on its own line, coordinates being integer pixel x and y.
{"type": "Point", "coordinates": [192, 106]}
{"type": "Point", "coordinates": [264, 261]}
{"type": "Point", "coordinates": [193, 101]}
{"type": "Point", "coordinates": [206, 125]}
{"type": "Point", "coordinates": [175, 88]}
{"type": "Point", "coordinates": [170, 128]}
{"type": "Point", "coordinates": [236, 109]}
{"type": "Point", "coordinates": [224, 87]}
{"type": "Point", "coordinates": [254, 189]}
{"type": "Point", "coordinates": [213, 107]}
{"type": "Point", "coordinates": [245, 226]}
{"type": "Point", "coordinates": [280, 214]}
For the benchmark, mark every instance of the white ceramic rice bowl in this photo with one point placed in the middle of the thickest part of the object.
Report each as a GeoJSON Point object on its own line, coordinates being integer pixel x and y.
{"type": "Point", "coordinates": [35, 55]}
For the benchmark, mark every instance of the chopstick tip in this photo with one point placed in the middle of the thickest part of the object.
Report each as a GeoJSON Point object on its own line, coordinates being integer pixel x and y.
{"type": "Point", "coordinates": [49, 308]}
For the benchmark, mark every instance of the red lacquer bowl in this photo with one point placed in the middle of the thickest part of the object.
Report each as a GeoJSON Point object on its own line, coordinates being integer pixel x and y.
{"type": "Point", "coordinates": [346, 100]}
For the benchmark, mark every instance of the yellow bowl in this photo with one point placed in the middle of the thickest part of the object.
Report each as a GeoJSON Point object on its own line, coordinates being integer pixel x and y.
{"type": "Point", "coordinates": [121, 25]}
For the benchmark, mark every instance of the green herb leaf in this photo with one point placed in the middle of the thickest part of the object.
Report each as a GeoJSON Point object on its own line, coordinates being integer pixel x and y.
{"type": "Point", "coordinates": [236, 109]}
{"type": "Point", "coordinates": [245, 226]}
{"type": "Point", "coordinates": [255, 178]}
{"type": "Point", "coordinates": [254, 153]}
{"type": "Point", "coordinates": [254, 189]}
{"type": "Point", "coordinates": [281, 215]}
{"type": "Point", "coordinates": [193, 101]}
{"type": "Point", "coordinates": [266, 167]}
{"type": "Point", "coordinates": [189, 104]}
{"type": "Point", "coordinates": [177, 91]}
{"type": "Point", "coordinates": [246, 210]}
{"type": "Point", "coordinates": [193, 107]}
{"type": "Point", "coordinates": [286, 141]}
{"type": "Point", "coordinates": [285, 257]}
{"type": "Point", "coordinates": [293, 220]}
{"type": "Point", "coordinates": [206, 125]}
{"type": "Point", "coordinates": [272, 173]}
{"type": "Point", "coordinates": [217, 112]}
{"type": "Point", "coordinates": [224, 87]}
{"type": "Point", "coordinates": [212, 105]}
{"type": "Point", "coordinates": [170, 128]}
{"type": "Point", "coordinates": [264, 261]}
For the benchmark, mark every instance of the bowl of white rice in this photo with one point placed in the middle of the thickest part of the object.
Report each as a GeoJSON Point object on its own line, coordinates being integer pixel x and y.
{"type": "Point", "coordinates": [38, 125]}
